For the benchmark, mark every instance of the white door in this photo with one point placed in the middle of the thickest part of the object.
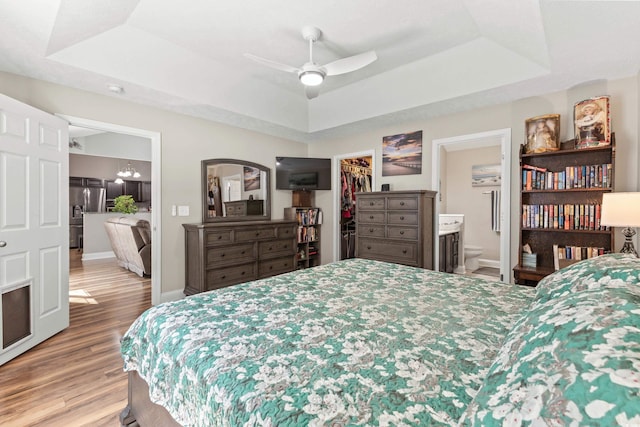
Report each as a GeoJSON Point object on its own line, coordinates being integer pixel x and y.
{"type": "Point", "coordinates": [34, 227]}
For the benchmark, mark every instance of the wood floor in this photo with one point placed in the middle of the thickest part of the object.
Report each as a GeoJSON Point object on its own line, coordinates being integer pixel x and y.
{"type": "Point", "coordinates": [76, 378]}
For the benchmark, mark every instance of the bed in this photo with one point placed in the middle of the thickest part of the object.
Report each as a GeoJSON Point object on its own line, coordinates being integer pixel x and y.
{"type": "Point", "coordinates": [362, 342]}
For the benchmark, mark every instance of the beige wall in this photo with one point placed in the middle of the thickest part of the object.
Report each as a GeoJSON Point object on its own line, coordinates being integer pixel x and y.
{"type": "Point", "coordinates": [185, 142]}
{"type": "Point", "coordinates": [472, 202]}
{"type": "Point", "coordinates": [624, 118]}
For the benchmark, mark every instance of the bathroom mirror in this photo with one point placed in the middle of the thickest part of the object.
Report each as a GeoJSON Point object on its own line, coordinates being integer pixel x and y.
{"type": "Point", "coordinates": [235, 190]}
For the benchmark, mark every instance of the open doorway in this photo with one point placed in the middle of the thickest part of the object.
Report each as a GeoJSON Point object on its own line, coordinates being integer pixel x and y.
{"type": "Point", "coordinates": [354, 173]}
{"type": "Point", "coordinates": [155, 214]}
{"type": "Point", "coordinates": [487, 219]}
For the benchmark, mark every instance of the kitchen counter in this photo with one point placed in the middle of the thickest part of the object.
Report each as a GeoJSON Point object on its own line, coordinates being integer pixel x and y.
{"type": "Point", "coordinates": [96, 244]}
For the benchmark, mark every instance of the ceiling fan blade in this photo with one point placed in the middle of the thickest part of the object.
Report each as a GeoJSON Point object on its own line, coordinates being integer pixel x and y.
{"type": "Point", "coordinates": [351, 63]}
{"type": "Point", "coordinates": [272, 64]}
{"type": "Point", "coordinates": [312, 91]}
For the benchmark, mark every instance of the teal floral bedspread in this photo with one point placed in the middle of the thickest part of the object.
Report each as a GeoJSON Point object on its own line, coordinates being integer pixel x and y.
{"type": "Point", "coordinates": [356, 342]}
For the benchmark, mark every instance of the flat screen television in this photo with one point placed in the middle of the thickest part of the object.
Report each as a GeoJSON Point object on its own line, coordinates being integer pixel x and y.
{"type": "Point", "coordinates": [303, 173]}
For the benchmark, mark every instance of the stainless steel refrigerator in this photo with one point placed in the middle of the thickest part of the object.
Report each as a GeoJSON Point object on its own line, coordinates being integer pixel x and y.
{"type": "Point", "coordinates": [81, 200]}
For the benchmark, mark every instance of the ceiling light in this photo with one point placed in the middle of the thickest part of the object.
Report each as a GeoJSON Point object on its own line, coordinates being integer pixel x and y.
{"type": "Point", "coordinates": [115, 88]}
{"type": "Point", "coordinates": [127, 172]}
{"type": "Point", "coordinates": [119, 181]}
{"type": "Point", "coordinates": [311, 77]}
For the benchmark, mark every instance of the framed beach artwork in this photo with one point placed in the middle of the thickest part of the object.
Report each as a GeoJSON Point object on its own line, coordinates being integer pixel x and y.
{"type": "Point", "coordinates": [592, 122]}
{"type": "Point", "coordinates": [542, 133]}
{"type": "Point", "coordinates": [402, 154]}
{"type": "Point", "coordinates": [486, 175]}
{"type": "Point", "coordinates": [251, 178]}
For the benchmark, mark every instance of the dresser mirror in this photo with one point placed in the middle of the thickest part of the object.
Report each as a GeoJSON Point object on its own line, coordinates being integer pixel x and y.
{"type": "Point", "coordinates": [235, 190]}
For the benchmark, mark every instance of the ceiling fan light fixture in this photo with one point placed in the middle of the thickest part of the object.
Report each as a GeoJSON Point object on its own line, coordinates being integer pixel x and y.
{"type": "Point", "coordinates": [311, 77]}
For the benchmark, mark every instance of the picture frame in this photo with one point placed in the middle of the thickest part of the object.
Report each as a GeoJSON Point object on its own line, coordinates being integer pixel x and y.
{"type": "Point", "coordinates": [592, 122]}
{"type": "Point", "coordinates": [251, 178]}
{"type": "Point", "coordinates": [542, 133]}
{"type": "Point", "coordinates": [402, 154]}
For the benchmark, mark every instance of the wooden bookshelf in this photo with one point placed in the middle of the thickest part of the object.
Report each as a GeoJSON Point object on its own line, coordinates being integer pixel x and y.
{"type": "Point", "coordinates": [308, 234]}
{"type": "Point", "coordinates": [555, 170]}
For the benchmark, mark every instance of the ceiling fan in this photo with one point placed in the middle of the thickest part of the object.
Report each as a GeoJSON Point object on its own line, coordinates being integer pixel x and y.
{"type": "Point", "coordinates": [311, 74]}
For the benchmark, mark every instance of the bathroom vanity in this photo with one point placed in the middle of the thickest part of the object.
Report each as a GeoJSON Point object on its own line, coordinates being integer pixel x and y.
{"type": "Point", "coordinates": [449, 243]}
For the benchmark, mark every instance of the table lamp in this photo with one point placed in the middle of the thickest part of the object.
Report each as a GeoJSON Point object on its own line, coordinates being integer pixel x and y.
{"type": "Point", "coordinates": [622, 210]}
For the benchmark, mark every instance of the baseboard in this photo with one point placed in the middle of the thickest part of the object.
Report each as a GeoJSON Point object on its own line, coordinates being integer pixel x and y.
{"type": "Point", "coordinates": [97, 255]}
{"type": "Point", "coordinates": [489, 263]}
{"type": "Point", "coordinates": [171, 296]}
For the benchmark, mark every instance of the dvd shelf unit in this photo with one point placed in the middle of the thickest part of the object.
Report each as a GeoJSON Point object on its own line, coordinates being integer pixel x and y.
{"type": "Point", "coordinates": [309, 220]}
{"type": "Point", "coordinates": [560, 201]}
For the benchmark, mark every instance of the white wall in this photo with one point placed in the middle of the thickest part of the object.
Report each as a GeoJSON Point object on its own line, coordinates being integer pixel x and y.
{"type": "Point", "coordinates": [105, 167]}
{"type": "Point", "coordinates": [624, 119]}
{"type": "Point", "coordinates": [111, 144]}
{"type": "Point", "coordinates": [186, 141]}
{"type": "Point", "coordinates": [472, 202]}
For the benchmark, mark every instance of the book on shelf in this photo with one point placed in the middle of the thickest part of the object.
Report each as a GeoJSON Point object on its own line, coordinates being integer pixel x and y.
{"type": "Point", "coordinates": [584, 176]}
{"type": "Point", "coordinates": [564, 256]}
{"type": "Point", "coordinates": [563, 217]}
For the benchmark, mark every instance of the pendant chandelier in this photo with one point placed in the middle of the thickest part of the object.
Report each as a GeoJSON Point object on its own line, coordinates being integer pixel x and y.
{"type": "Point", "coordinates": [127, 172]}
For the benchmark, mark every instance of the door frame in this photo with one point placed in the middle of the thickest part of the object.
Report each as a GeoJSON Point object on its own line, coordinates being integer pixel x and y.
{"type": "Point", "coordinates": [156, 191]}
{"type": "Point", "coordinates": [337, 190]}
{"type": "Point", "coordinates": [500, 137]}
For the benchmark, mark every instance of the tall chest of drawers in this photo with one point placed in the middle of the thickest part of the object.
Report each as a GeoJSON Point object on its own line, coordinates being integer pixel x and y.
{"type": "Point", "coordinates": [228, 253]}
{"type": "Point", "coordinates": [396, 226]}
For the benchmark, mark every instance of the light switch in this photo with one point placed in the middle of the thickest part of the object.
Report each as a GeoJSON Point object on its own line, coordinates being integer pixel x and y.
{"type": "Point", "coordinates": [173, 210]}
{"type": "Point", "coordinates": [183, 210]}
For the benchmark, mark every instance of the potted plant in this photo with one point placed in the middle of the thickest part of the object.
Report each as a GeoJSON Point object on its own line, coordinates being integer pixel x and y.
{"type": "Point", "coordinates": [125, 204]}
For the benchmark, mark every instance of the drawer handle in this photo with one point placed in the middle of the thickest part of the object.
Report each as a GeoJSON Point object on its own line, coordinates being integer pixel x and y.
{"type": "Point", "coordinates": [370, 216]}
{"type": "Point", "coordinates": [257, 233]}
{"type": "Point", "coordinates": [285, 246]}
{"type": "Point", "coordinates": [404, 251]}
{"type": "Point", "coordinates": [371, 230]}
{"type": "Point", "coordinates": [371, 203]}
{"type": "Point", "coordinates": [222, 255]}
{"type": "Point", "coordinates": [223, 277]}
{"type": "Point", "coordinates": [369, 247]}
{"type": "Point", "coordinates": [402, 232]}
{"type": "Point", "coordinates": [242, 253]}
{"type": "Point", "coordinates": [242, 274]}
{"type": "Point", "coordinates": [401, 203]}
{"type": "Point", "coordinates": [402, 218]}
{"type": "Point", "coordinates": [270, 248]}
{"type": "Point", "coordinates": [271, 267]}
{"type": "Point", "coordinates": [219, 237]}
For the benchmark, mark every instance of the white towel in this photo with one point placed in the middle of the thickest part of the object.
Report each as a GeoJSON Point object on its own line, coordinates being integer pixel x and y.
{"type": "Point", "coordinates": [495, 210]}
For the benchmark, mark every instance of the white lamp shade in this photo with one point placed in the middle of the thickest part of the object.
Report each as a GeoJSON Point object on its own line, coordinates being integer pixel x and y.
{"type": "Point", "coordinates": [620, 210]}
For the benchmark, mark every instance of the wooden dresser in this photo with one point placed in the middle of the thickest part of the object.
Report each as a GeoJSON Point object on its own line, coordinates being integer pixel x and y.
{"type": "Point", "coordinates": [228, 253]}
{"type": "Point", "coordinates": [396, 226]}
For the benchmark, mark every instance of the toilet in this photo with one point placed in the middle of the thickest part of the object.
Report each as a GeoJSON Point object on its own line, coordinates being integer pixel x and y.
{"type": "Point", "coordinates": [472, 257]}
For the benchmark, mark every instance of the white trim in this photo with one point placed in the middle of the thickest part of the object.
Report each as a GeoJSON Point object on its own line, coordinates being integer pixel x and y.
{"type": "Point", "coordinates": [156, 190]}
{"type": "Point", "coordinates": [482, 139]}
{"type": "Point", "coordinates": [337, 189]}
{"type": "Point", "coordinates": [171, 296]}
{"type": "Point", "coordinates": [492, 263]}
{"type": "Point", "coordinates": [97, 255]}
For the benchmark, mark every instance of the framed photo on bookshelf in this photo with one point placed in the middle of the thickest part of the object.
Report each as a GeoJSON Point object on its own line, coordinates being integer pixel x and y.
{"type": "Point", "coordinates": [542, 133]}
{"type": "Point", "coordinates": [592, 122]}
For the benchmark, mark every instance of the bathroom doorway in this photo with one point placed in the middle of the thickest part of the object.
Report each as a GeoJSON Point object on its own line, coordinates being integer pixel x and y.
{"type": "Point", "coordinates": [480, 205]}
{"type": "Point", "coordinates": [354, 173]}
